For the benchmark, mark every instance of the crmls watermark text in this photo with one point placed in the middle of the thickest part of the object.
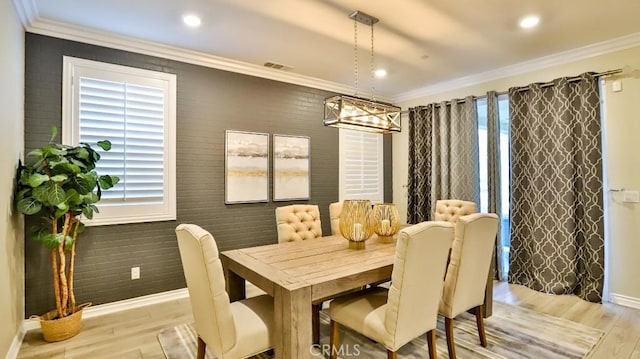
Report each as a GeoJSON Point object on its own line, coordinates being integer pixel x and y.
{"type": "Point", "coordinates": [344, 350]}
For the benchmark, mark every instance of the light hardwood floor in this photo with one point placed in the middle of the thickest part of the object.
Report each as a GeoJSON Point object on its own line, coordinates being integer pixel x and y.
{"type": "Point", "coordinates": [133, 333]}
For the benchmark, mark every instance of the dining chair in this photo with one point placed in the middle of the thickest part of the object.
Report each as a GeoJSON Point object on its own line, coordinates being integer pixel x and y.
{"type": "Point", "coordinates": [298, 222]}
{"type": "Point", "coordinates": [466, 278]}
{"type": "Point", "coordinates": [409, 308]}
{"type": "Point", "coordinates": [449, 210]}
{"type": "Point", "coordinates": [334, 214]}
{"type": "Point", "coordinates": [232, 330]}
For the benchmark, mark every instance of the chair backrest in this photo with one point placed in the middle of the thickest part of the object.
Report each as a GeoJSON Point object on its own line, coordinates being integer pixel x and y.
{"type": "Point", "coordinates": [334, 213]}
{"type": "Point", "coordinates": [471, 255]}
{"type": "Point", "coordinates": [298, 222]}
{"type": "Point", "coordinates": [205, 282]}
{"type": "Point", "coordinates": [449, 210]}
{"type": "Point", "coordinates": [416, 281]}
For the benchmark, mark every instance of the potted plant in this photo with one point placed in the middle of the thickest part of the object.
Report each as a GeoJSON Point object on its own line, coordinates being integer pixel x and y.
{"type": "Point", "coordinates": [59, 184]}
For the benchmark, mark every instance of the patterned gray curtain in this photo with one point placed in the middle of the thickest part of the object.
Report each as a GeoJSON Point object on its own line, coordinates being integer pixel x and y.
{"type": "Point", "coordinates": [493, 175]}
{"type": "Point", "coordinates": [443, 156]}
{"type": "Point", "coordinates": [557, 219]}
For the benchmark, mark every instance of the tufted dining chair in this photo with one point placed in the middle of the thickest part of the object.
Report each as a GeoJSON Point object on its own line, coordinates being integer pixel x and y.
{"type": "Point", "coordinates": [232, 330]}
{"type": "Point", "coordinates": [409, 308]}
{"type": "Point", "coordinates": [298, 222]}
{"type": "Point", "coordinates": [465, 281]}
{"type": "Point", "coordinates": [449, 210]}
{"type": "Point", "coordinates": [334, 214]}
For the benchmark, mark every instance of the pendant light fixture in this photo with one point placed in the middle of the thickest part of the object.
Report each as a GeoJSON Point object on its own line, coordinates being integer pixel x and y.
{"type": "Point", "coordinates": [357, 113]}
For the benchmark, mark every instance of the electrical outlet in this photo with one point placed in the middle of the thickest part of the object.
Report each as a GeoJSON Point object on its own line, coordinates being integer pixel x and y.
{"type": "Point", "coordinates": [135, 273]}
{"type": "Point", "coordinates": [631, 196]}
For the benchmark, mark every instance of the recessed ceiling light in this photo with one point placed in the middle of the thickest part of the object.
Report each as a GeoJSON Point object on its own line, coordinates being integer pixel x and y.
{"type": "Point", "coordinates": [530, 21]}
{"type": "Point", "coordinates": [191, 20]}
{"type": "Point", "coordinates": [380, 73]}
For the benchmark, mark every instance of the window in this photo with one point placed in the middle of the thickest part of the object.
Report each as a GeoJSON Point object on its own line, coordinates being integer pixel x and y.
{"type": "Point", "coordinates": [361, 165]}
{"type": "Point", "coordinates": [505, 168]}
{"type": "Point", "coordinates": [135, 109]}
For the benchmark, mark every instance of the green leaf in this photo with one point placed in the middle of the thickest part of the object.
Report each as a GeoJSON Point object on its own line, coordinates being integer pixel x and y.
{"type": "Point", "coordinates": [81, 227]}
{"type": "Point", "coordinates": [35, 153]}
{"type": "Point", "coordinates": [82, 153]}
{"type": "Point", "coordinates": [53, 149]}
{"type": "Point", "coordinates": [67, 167]}
{"type": "Point", "coordinates": [90, 198]}
{"type": "Point", "coordinates": [59, 213]}
{"type": "Point", "coordinates": [105, 182]}
{"type": "Point", "coordinates": [68, 242]}
{"type": "Point", "coordinates": [82, 185]}
{"type": "Point", "coordinates": [94, 208]}
{"type": "Point", "coordinates": [105, 145]}
{"type": "Point", "coordinates": [56, 195]}
{"type": "Point", "coordinates": [88, 212]}
{"type": "Point", "coordinates": [37, 179]}
{"type": "Point", "coordinates": [54, 132]}
{"type": "Point", "coordinates": [29, 206]}
{"type": "Point", "coordinates": [96, 156]}
{"type": "Point", "coordinates": [72, 197]}
{"type": "Point", "coordinates": [21, 194]}
{"type": "Point", "coordinates": [59, 178]}
{"type": "Point", "coordinates": [42, 193]}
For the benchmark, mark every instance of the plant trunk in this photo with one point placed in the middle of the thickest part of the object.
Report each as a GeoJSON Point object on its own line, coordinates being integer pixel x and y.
{"type": "Point", "coordinates": [72, 260]}
{"type": "Point", "coordinates": [63, 262]}
{"type": "Point", "coordinates": [54, 265]}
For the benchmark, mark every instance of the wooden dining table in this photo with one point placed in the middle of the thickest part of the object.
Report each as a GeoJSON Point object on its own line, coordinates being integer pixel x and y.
{"type": "Point", "coordinates": [299, 274]}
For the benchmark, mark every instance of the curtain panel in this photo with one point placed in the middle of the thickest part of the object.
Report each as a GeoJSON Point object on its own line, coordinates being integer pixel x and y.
{"type": "Point", "coordinates": [494, 176]}
{"type": "Point", "coordinates": [557, 216]}
{"type": "Point", "coordinates": [443, 156]}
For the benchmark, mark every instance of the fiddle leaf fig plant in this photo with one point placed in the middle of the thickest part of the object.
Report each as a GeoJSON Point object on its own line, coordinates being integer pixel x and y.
{"type": "Point", "coordinates": [58, 184]}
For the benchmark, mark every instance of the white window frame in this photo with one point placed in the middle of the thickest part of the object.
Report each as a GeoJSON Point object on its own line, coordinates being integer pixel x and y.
{"type": "Point", "coordinates": [124, 213]}
{"type": "Point", "coordinates": [342, 193]}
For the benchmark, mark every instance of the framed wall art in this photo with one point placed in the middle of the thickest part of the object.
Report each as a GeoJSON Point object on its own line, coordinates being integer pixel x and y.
{"type": "Point", "coordinates": [291, 167]}
{"type": "Point", "coordinates": [246, 167]}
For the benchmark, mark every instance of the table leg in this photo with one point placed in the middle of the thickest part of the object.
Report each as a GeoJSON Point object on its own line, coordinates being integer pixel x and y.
{"type": "Point", "coordinates": [235, 285]}
{"type": "Point", "coordinates": [293, 329]}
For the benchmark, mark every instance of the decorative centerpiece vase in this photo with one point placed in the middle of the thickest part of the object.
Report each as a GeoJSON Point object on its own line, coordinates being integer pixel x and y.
{"type": "Point", "coordinates": [386, 221]}
{"type": "Point", "coordinates": [355, 222]}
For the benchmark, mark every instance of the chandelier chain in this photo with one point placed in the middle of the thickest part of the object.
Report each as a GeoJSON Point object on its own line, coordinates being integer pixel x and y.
{"type": "Point", "coordinates": [373, 82]}
{"type": "Point", "coordinates": [355, 55]}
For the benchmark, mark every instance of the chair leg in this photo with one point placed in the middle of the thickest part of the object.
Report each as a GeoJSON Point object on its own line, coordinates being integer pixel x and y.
{"type": "Point", "coordinates": [201, 348]}
{"type": "Point", "coordinates": [333, 339]}
{"type": "Point", "coordinates": [448, 325]}
{"type": "Point", "coordinates": [480, 321]}
{"type": "Point", "coordinates": [392, 355]}
{"type": "Point", "coordinates": [431, 341]}
{"type": "Point", "coordinates": [315, 322]}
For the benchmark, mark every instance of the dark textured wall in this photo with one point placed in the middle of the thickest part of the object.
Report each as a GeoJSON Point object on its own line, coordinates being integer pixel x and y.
{"type": "Point", "coordinates": [209, 101]}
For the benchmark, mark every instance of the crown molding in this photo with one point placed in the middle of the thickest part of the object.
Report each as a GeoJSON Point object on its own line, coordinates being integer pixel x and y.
{"type": "Point", "coordinates": [125, 43]}
{"type": "Point", "coordinates": [560, 58]}
{"type": "Point", "coordinates": [27, 11]}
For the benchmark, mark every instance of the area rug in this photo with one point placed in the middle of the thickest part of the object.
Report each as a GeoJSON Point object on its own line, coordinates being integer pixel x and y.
{"type": "Point", "coordinates": [512, 332]}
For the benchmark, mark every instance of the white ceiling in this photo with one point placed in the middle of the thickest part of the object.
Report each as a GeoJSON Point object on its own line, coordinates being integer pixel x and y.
{"type": "Point", "coordinates": [419, 42]}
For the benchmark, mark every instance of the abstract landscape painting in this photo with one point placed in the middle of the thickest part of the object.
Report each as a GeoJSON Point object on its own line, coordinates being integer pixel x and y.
{"type": "Point", "coordinates": [246, 167]}
{"type": "Point", "coordinates": [290, 167]}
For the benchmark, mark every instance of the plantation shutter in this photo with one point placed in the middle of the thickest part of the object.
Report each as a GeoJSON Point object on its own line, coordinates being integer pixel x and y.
{"type": "Point", "coordinates": [132, 118]}
{"type": "Point", "coordinates": [361, 165]}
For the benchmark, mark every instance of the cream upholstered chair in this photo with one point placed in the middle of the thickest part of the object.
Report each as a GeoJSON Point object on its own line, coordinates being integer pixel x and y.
{"type": "Point", "coordinates": [449, 210]}
{"type": "Point", "coordinates": [298, 222]}
{"type": "Point", "coordinates": [334, 213]}
{"type": "Point", "coordinates": [409, 308]}
{"type": "Point", "coordinates": [466, 278]}
{"type": "Point", "coordinates": [232, 330]}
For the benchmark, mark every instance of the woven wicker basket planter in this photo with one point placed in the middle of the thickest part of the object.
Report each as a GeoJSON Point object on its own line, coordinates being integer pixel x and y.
{"type": "Point", "coordinates": [55, 330]}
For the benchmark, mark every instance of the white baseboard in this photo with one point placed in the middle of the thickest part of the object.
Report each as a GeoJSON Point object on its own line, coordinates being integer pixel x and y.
{"type": "Point", "coordinates": [14, 349]}
{"type": "Point", "coordinates": [115, 307]}
{"type": "Point", "coordinates": [624, 300]}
